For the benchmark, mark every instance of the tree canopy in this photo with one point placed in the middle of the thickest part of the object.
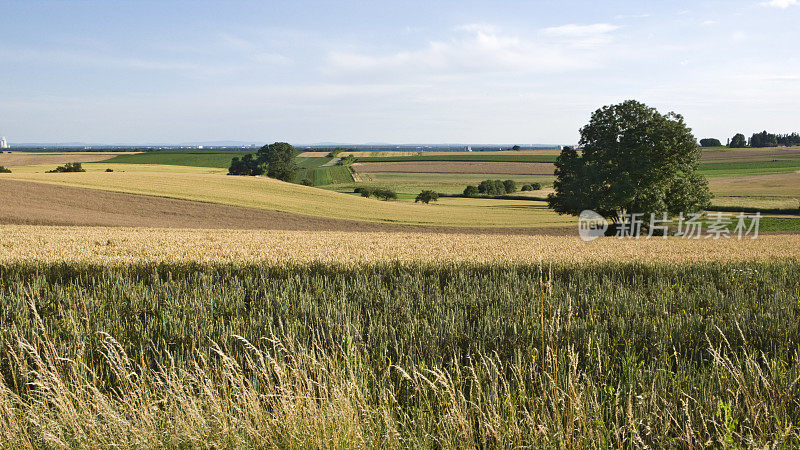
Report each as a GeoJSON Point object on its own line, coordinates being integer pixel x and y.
{"type": "Point", "coordinates": [426, 197]}
{"type": "Point", "coordinates": [245, 166]}
{"type": "Point", "coordinates": [738, 141]}
{"type": "Point", "coordinates": [633, 160]}
{"type": "Point", "coordinates": [710, 142]}
{"type": "Point", "coordinates": [279, 160]}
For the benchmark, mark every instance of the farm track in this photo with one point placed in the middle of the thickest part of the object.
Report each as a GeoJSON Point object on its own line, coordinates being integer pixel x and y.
{"type": "Point", "coordinates": [32, 203]}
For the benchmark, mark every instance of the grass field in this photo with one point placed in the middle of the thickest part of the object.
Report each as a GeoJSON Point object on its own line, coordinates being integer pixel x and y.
{"type": "Point", "coordinates": [765, 191]}
{"type": "Point", "coordinates": [308, 167]}
{"type": "Point", "coordinates": [198, 158]}
{"type": "Point", "coordinates": [751, 178]}
{"type": "Point", "coordinates": [413, 183]}
{"type": "Point", "coordinates": [419, 355]}
{"type": "Point", "coordinates": [211, 185]}
{"type": "Point", "coordinates": [748, 168]}
{"type": "Point", "coordinates": [173, 337]}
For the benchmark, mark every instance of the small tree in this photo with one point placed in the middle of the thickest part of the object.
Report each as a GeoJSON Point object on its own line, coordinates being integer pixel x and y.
{"type": "Point", "coordinates": [427, 197]}
{"type": "Point", "coordinates": [279, 159]}
{"type": "Point", "coordinates": [470, 191]}
{"type": "Point", "coordinates": [510, 186]}
{"type": "Point", "coordinates": [385, 194]}
{"type": "Point", "coordinates": [4, 169]}
{"type": "Point", "coordinates": [68, 167]}
{"type": "Point", "coordinates": [347, 160]}
{"type": "Point", "coordinates": [492, 187]}
{"type": "Point", "coordinates": [710, 142]}
{"type": "Point", "coordinates": [365, 192]}
{"type": "Point", "coordinates": [738, 141]}
{"type": "Point", "coordinates": [516, 147]}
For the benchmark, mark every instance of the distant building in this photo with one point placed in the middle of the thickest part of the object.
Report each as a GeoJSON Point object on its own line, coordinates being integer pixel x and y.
{"type": "Point", "coordinates": [3, 142]}
{"type": "Point", "coordinates": [468, 149]}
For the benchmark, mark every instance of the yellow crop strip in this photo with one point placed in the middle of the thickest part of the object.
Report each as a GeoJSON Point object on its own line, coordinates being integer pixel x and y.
{"type": "Point", "coordinates": [126, 245]}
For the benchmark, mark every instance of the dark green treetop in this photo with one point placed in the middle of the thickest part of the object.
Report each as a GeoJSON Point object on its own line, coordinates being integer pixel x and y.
{"type": "Point", "coordinates": [633, 160]}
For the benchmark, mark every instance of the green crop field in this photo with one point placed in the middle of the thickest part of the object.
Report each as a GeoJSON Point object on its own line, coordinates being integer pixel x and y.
{"type": "Point", "coordinates": [322, 176]}
{"type": "Point", "coordinates": [420, 355]}
{"type": "Point", "coordinates": [744, 168]}
{"type": "Point", "coordinates": [194, 158]}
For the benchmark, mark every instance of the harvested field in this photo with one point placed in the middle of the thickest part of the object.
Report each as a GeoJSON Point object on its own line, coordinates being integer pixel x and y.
{"type": "Point", "coordinates": [29, 159]}
{"type": "Point", "coordinates": [45, 204]}
{"type": "Point", "coordinates": [751, 154]}
{"type": "Point", "coordinates": [313, 154]}
{"type": "Point", "coordinates": [269, 194]}
{"type": "Point", "coordinates": [128, 245]}
{"type": "Point", "coordinates": [370, 154]}
{"type": "Point", "coordinates": [511, 168]}
{"type": "Point", "coordinates": [774, 185]}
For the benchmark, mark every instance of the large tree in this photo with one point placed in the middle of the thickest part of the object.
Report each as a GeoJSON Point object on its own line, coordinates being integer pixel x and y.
{"type": "Point", "coordinates": [632, 160]}
{"type": "Point", "coordinates": [279, 160]}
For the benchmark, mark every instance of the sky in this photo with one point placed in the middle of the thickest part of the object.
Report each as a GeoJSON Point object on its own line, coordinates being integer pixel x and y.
{"type": "Point", "coordinates": [511, 72]}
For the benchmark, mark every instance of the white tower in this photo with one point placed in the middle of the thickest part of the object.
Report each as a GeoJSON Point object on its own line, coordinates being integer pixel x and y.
{"type": "Point", "coordinates": [3, 142]}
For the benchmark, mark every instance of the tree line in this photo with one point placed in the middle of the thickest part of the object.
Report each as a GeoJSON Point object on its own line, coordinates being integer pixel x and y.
{"type": "Point", "coordinates": [757, 140]}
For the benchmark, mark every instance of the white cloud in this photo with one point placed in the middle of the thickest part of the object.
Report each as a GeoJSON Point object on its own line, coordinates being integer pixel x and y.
{"type": "Point", "coordinates": [573, 30]}
{"type": "Point", "coordinates": [584, 36]}
{"type": "Point", "coordinates": [781, 3]}
{"type": "Point", "coordinates": [482, 48]}
{"type": "Point", "coordinates": [631, 16]}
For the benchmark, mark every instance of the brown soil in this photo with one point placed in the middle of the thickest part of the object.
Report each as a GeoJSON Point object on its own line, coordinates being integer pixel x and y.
{"type": "Point", "coordinates": [25, 202]}
{"type": "Point", "coordinates": [30, 159]}
{"type": "Point", "coordinates": [512, 168]}
{"type": "Point", "coordinates": [752, 154]}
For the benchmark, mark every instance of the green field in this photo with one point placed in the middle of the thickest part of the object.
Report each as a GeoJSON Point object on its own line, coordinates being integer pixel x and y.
{"type": "Point", "coordinates": [448, 183]}
{"type": "Point", "coordinates": [746, 168]}
{"type": "Point", "coordinates": [311, 169]}
{"type": "Point", "coordinates": [423, 356]}
{"type": "Point", "coordinates": [193, 158]}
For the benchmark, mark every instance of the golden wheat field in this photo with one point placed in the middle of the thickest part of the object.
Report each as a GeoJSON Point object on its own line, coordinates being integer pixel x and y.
{"type": "Point", "coordinates": [124, 245]}
{"type": "Point", "coordinates": [212, 186]}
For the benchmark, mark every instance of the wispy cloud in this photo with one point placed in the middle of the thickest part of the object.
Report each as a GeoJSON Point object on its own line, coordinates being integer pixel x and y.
{"type": "Point", "coordinates": [631, 16]}
{"type": "Point", "coordinates": [781, 3]}
{"type": "Point", "coordinates": [476, 48]}
{"type": "Point", "coordinates": [582, 35]}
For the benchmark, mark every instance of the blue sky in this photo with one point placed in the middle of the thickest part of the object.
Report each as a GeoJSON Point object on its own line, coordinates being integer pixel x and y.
{"type": "Point", "coordinates": [400, 72]}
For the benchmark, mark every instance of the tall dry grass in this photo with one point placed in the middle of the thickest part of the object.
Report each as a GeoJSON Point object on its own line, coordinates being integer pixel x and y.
{"type": "Point", "coordinates": [400, 356]}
